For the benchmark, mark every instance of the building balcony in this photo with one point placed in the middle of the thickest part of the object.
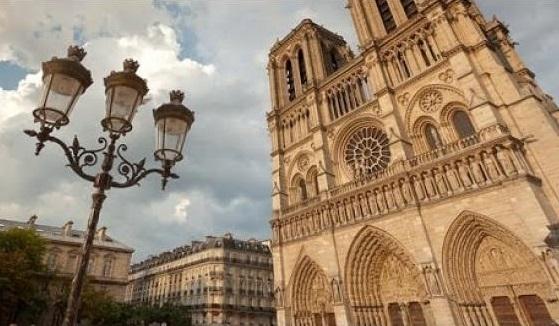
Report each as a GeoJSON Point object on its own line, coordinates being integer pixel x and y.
{"type": "Point", "coordinates": [492, 156]}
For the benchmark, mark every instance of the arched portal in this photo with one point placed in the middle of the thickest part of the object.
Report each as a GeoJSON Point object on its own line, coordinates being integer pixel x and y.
{"type": "Point", "coordinates": [385, 286]}
{"type": "Point", "coordinates": [492, 276]}
{"type": "Point", "coordinates": [311, 296]}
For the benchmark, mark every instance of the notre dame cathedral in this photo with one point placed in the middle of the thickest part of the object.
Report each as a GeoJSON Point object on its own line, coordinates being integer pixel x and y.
{"type": "Point", "coordinates": [417, 181]}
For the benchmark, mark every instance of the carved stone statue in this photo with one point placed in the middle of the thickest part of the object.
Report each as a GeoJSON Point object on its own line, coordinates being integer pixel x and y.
{"type": "Point", "coordinates": [278, 296]}
{"type": "Point", "coordinates": [552, 264]}
{"type": "Point", "coordinates": [432, 280]}
{"type": "Point", "coordinates": [490, 166]}
{"type": "Point", "coordinates": [336, 290]}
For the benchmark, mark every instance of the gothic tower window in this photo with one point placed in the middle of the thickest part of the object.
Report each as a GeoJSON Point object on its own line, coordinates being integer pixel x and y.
{"type": "Point", "coordinates": [334, 59]}
{"type": "Point", "coordinates": [290, 80]}
{"type": "Point", "coordinates": [409, 8]}
{"type": "Point", "coordinates": [302, 67]}
{"type": "Point", "coordinates": [404, 65]}
{"type": "Point", "coordinates": [423, 49]}
{"type": "Point", "coordinates": [386, 15]}
{"type": "Point", "coordinates": [432, 136]}
{"type": "Point", "coordinates": [462, 124]}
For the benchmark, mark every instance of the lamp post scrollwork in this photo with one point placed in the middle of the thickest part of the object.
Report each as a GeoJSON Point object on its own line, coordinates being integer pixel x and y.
{"type": "Point", "coordinates": [64, 81]}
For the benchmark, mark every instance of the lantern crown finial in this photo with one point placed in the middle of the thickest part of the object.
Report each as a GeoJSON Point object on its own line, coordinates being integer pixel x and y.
{"type": "Point", "coordinates": [76, 53]}
{"type": "Point", "coordinates": [130, 65]}
{"type": "Point", "coordinates": [176, 96]}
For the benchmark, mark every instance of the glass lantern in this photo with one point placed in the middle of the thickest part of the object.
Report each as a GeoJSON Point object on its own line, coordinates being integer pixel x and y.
{"type": "Point", "coordinates": [64, 81]}
{"type": "Point", "coordinates": [124, 91]}
{"type": "Point", "coordinates": [172, 122]}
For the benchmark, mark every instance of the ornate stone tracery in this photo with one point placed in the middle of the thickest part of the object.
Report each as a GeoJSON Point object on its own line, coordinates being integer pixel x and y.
{"type": "Point", "coordinates": [311, 294]}
{"type": "Point", "coordinates": [366, 151]}
{"type": "Point", "coordinates": [380, 272]}
{"type": "Point", "coordinates": [484, 262]}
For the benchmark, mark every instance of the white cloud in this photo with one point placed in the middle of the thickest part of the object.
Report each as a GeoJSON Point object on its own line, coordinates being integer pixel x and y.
{"type": "Point", "coordinates": [25, 96]}
{"type": "Point", "coordinates": [216, 52]}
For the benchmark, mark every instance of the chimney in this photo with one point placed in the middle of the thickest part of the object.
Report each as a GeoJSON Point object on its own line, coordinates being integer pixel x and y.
{"type": "Point", "coordinates": [68, 228]}
{"type": "Point", "coordinates": [32, 220]}
{"type": "Point", "coordinates": [102, 233]}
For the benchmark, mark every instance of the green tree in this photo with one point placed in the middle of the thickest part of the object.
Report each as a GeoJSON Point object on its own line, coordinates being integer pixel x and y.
{"type": "Point", "coordinates": [21, 260]}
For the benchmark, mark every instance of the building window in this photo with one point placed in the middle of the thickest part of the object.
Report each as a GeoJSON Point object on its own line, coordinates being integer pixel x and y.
{"type": "Point", "coordinates": [52, 261]}
{"type": "Point", "coordinates": [302, 67]}
{"type": "Point", "coordinates": [409, 8]}
{"type": "Point", "coordinates": [108, 267]}
{"type": "Point", "coordinates": [386, 15]}
{"type": "Point", "coordinates": [462, 124]}
{"type": "Point", "coordinates": [289, 79]}
{"type": "Point", "coordinates": [432, 136]}
{"type": "Point", "coordinates": [71, 262]}
{"type": "Point", "coordinates": [91, 266]}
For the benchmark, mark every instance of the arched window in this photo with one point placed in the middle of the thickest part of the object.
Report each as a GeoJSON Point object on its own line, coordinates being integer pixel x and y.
{"type": "Point", "coordinates": [462, 124]}
{"type": "Point", "coordinates": [302, 67]}
{"type": "Point", "coordinates": [409, 8]}
{"type": "Point", "coordinates": [289, 79]}
{"type": "Point", "coordinates": [312, 179]}
{"type": "Point", "coordinates": [432, 136]}
{"type": "Point", "coordinates": [302, 190]}
{"type": "Point", "coordinates": [386, 15]}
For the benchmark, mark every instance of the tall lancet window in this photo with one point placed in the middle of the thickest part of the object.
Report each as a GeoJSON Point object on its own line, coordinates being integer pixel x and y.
{"type": "Point", "coordinates": [463, 124]}
{"type": "Point", "coordinates": [432, 136]}
{"type": "Point", "coordinates": [289, 79]}
{"type": "Point", "coordinates": [386, 15]}
{"type": "Point", "coordinates": [302, 67]}
{"type": "Point", "coordinates": [410, 8]}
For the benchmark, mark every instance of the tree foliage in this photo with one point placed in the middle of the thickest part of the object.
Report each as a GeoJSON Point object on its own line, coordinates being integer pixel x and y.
{"type": "Point", "coordinates": [21, 261]}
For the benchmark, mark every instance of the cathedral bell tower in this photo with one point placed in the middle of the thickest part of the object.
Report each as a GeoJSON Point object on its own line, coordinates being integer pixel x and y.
{"type": "Point", "coordinates": [415, 183]}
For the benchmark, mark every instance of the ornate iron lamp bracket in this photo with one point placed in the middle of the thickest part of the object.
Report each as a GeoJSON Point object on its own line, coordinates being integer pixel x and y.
{"type": "Point", "coordinates": [80, 158]}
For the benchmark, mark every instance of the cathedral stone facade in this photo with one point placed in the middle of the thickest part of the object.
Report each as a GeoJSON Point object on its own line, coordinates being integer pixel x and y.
{"type": "Point", "coordinates": [415, 182]}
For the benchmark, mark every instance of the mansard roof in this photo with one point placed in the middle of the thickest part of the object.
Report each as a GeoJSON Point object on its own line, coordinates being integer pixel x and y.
{"type": "Point", "coordinates": [59, 234]}
{"type": "Point", "coordinates": [227, 242]}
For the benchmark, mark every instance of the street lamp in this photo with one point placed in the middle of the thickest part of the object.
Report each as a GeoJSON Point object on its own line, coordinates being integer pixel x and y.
{"type": "Point", "coordinates": [64, 81]}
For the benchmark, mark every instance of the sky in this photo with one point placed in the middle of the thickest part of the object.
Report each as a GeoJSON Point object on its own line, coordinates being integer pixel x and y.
{"type": "Point", "coordinates": [216, 52]}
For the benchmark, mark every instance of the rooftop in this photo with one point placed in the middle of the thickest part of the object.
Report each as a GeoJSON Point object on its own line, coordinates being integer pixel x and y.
{"type": "Point", "coordinates": [226, 241]}
{"type": "Point", "coordinates": [64, 233]}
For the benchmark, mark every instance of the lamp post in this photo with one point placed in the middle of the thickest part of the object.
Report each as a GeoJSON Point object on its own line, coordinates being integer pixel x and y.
{"type": "Point", "coordinates": [64, 81]}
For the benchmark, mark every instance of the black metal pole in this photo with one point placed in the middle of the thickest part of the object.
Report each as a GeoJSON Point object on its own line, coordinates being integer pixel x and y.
{"type": "Point", "coordinates": [102, 183]}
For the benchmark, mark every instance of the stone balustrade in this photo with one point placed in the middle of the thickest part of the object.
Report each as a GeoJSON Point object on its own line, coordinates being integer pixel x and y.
{"type": "Point", "coordinates": [491, 156]}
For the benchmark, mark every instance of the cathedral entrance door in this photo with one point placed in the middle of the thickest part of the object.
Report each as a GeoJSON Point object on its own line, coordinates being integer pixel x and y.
{"type": "Point", "coordinates": [504, 311]}
{"type": "Point", "coordinates": [535, 310]}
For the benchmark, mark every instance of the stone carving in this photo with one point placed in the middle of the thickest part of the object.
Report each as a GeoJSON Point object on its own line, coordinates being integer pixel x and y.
{"type": "Point", "coordinates": [336, 290]}
{"type": "Point", "coordinates": [404, 99]}
{"type": "Point", "coordinates": [552, 264]}
{"type": "Point", "coordinates": [303, 163]}
{"type": "Point", "coordinates": [278, 296]}
{"type": "Point", "coordinates": [431, 101]}
{"type": "Point", "coordinates": [432, 280]}
{"type": "Point", "coordinates": [366, 151]}
{"type": "Point", "coordinates": [447, 76]}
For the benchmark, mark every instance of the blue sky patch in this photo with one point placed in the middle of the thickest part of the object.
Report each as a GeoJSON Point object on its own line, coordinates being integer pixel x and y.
{"type": "Point", "coordinates": [11, 74]}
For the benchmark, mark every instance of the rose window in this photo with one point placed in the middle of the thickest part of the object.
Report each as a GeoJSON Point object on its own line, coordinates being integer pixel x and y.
{"type": "Point", "coordinates": [366, 151]}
